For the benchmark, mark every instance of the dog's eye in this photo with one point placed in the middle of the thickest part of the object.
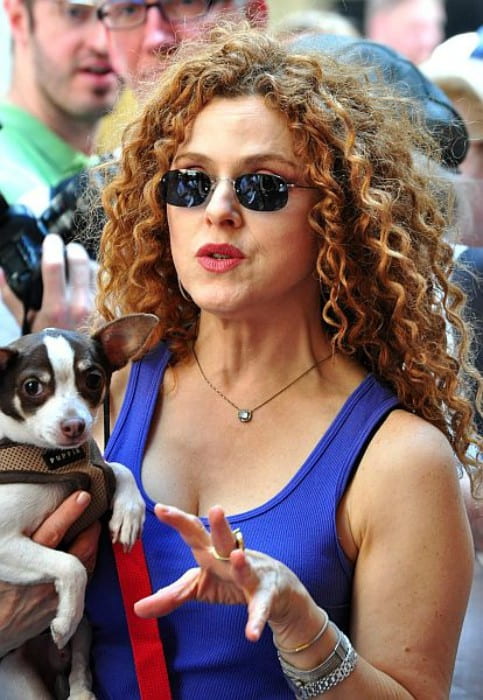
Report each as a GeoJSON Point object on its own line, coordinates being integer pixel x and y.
{"type": "Point", "coordinates": [94, 379]}
{"type": "Point", "coordinates": [32, 386]}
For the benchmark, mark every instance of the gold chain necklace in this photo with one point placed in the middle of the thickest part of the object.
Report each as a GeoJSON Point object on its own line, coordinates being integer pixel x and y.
{"type": "Point", "coordinates": [245, 414]}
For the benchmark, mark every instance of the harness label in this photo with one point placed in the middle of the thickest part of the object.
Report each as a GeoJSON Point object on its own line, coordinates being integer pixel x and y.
{"type": "Point", "coordinates": [54, 459]}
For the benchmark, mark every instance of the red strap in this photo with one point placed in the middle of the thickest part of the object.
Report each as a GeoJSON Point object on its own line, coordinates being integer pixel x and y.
{"type": "Point", "coordinates": [151, 671]}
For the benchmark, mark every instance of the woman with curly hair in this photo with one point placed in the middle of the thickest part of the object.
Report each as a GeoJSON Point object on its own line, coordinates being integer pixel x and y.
{"type": "Point", "coordinates": [271, 210]}
{"type": "Point", "coordinates": [298, 421]}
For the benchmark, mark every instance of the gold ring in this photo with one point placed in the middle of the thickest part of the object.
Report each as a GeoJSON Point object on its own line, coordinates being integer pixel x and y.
{"type": "Point", "coordinates": [217, 555]}
{"type": "Point", "coordinates": [239, 544]}
{"type": "Point", "coordinates": [239, 540]}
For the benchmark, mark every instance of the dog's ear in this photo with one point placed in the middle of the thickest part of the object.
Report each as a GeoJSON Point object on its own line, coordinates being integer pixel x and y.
{"type": "Point", "coordinates": [6, 356]}
{"type": "Point", "coordinates": [124, 338]}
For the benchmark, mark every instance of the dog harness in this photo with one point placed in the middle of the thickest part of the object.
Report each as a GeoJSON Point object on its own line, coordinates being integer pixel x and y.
{"type": "Point", "coordinates": [78, 468]}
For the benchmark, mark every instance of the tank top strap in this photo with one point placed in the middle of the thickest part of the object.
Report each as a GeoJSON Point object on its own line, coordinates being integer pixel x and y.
{"type": "Point", "coordinates": [359, 419]}
{"type": "Point", "coordinates": [140, 399]}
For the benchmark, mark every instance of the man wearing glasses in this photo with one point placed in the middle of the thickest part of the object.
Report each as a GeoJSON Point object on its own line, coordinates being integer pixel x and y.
{"type": "Point", "coordinates": [143, 33]}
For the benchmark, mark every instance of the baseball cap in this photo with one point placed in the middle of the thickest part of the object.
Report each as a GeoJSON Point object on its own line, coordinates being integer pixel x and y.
{"type": "Point", "coordinates": [456, 66]}
{"type": "Point", "coordinates": [442, 119]}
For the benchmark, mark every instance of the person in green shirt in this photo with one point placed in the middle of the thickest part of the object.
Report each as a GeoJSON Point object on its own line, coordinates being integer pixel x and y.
{"type": "Point", "coordinates": [62, 84]}
{"type": "Point", "coordinates": [32, 155]}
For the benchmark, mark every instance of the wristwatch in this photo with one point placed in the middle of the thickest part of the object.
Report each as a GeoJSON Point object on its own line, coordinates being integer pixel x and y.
{"type": "Point", "coordinates": [316, 681]}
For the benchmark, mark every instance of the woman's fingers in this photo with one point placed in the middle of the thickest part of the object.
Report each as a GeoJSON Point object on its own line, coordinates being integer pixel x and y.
{"type": "Point", "coordinates": [189, 527]}
{"type": "Point", "coordinates": [259, 596]}
{"type": "Point", "coordinates": [222, 537]}
{"type": "Point", "coordinates": [228, 573]}
{"type": "Point", "coordinates": [169, 598]}
{"type": "Point", "coordinates": [85, 546]}
{"type": "Point", "coordinates": [53, 529]}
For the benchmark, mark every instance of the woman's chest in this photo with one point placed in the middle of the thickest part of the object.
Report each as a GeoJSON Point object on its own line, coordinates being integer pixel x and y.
{"type": "Point", "coordinates": [235, 465]}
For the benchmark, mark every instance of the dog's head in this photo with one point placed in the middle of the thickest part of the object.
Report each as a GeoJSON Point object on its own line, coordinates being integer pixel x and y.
{"type": "Point", "coordinates": [52, 382]}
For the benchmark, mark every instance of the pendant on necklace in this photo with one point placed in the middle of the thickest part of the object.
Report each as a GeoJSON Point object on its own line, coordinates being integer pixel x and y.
{"type": "Point", "coordinates": [244, 415]}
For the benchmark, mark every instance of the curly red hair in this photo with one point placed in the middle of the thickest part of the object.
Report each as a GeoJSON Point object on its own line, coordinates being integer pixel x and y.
{"type": "Point", "coordinates": [383, 264]}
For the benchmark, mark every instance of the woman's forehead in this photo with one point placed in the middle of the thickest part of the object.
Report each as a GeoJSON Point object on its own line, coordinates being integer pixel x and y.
{"type": "Point", "coordinates": [244, 124]}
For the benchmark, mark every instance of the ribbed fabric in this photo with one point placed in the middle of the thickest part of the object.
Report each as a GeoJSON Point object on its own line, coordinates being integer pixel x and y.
{"type": "Point", "coordinates": [206, 650]}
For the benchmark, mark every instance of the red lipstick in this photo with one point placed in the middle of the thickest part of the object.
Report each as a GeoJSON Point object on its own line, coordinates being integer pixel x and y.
{"type": "Point", "coordinates": [219, 257]}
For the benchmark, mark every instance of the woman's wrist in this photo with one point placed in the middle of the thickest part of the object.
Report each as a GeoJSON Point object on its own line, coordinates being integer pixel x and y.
{"type": "Point", "coordinates": [334, 669]}
{"type": "Point", "coordinates": [307, 643]}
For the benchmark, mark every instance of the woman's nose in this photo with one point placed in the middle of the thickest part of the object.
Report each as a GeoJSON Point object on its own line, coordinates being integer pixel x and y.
{"type": "Point", "coordinates": [223, 205]}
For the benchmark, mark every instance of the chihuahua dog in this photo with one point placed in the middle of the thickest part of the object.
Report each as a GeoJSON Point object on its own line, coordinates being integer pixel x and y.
{"type": "Point", "coordinates": [51, 386]}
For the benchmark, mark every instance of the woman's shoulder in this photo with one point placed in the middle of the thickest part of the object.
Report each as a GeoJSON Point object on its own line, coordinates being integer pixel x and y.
{"type": "Point", "coordinates": [407, 448]}
{"type": "Point", "coordinates": [408, 471]}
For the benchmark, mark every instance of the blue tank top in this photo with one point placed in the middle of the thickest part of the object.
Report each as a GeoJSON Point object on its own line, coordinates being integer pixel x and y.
{"type": "Point", "coordinates": [206, 651]}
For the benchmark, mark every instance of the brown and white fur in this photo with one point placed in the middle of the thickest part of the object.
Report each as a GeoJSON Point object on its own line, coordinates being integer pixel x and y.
{"type": "Point", "coordinates": [51, 385]}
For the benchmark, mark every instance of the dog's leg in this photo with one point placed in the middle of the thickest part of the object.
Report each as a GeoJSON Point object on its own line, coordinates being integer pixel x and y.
{"type": "Point", "coordinates": [26, 562]}
{"type": "Point", "coordinates": [80, 679]}
{"type": "Point", "coordinates": [19, 680]}
{"type": "Point", "coordinates": [128, 508]}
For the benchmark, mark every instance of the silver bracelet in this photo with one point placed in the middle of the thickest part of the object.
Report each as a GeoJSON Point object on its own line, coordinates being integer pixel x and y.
{"type": "Point", "coordinates": [333, 670]}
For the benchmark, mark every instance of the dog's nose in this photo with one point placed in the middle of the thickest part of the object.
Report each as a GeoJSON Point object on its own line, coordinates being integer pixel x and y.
{"type": "Point", "coordinates": [73, 427]}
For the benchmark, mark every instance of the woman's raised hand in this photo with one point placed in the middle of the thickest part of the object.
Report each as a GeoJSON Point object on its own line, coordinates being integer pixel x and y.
{"type": "Point", "coordinates": [229, 574]}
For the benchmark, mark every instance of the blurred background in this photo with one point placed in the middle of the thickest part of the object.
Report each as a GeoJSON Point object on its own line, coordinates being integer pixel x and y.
{"type": "Point", "coordinates": [4, 52]}
{"type": "Point", "coordinates": [462, 16]}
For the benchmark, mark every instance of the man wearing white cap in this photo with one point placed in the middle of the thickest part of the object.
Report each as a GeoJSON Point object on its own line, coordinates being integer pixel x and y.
{"type": "Point", "coordinates": [457, 67]}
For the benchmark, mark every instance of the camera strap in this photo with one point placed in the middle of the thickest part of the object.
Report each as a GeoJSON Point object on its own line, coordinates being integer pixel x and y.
{"type": "Point", "coordinates": [26, 325]}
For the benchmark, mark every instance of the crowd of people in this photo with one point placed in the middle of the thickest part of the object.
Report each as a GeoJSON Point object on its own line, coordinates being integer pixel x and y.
{"type": "Point", "coordinates": [309, 400]}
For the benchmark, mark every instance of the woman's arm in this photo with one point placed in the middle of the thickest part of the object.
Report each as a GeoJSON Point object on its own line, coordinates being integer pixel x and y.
{"type": "Point", "coordinates": [415, 556]}
{"type": "Point", "coordinates": [413, 570]}
{"type": "Point", "coordinates": [25, 611]}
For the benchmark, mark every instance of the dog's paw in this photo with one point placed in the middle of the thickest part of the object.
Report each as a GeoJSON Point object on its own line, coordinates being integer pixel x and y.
{"type": "Point", "coordinates": [62, 629]}
{"type": "Point", "coordinates": [127, 522]}
{"type": "Point", "coordinates": [128, 508]}
{"type": "Point", "coordinates": [81, 694]}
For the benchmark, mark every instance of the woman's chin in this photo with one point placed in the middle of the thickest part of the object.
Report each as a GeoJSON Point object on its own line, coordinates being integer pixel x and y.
{"type": "Point", "coordinates": [221, 304]}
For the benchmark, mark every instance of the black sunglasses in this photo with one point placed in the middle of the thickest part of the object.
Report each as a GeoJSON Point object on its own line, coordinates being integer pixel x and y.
{"type": "Point", "coordinates": [255, 191]}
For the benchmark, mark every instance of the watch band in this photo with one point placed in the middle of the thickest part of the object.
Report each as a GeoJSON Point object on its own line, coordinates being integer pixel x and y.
{"type": "Point", "coordinates": [332, 671]}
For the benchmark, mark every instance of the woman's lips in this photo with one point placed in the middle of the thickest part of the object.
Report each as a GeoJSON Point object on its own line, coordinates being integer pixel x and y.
{"type": "Point", "coordinates": [219, 257]}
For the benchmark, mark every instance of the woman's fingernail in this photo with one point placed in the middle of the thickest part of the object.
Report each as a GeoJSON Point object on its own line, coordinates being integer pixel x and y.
{"type": "Point", "coordinates": [163, 509]}
{"type": "Point", "coordinates": [83, 498]}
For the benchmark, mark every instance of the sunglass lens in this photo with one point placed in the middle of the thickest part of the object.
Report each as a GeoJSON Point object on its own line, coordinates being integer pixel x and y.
{"type": "Point", "coordinates": [262, 192]}
{"type": "Point", "coordinates": [185, 188]}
